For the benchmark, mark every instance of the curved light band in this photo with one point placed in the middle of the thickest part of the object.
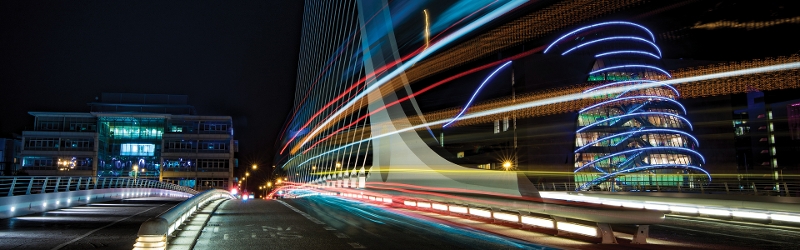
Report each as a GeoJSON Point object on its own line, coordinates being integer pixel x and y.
{"type": "Point", "coordinates": [628, 52]}
{"type": "Point", "coordinates": [476, 93]}
{"type": "Point", "coordinates": [597, 25]}
{"type": "Point", "coordinates": [633, 81]}
{"type": "Point", "coordinates": [635, 97]}
{"type": "Point", "coordinates": [638, 169]}
{"type": "Point", "coordinates": [631, 66]}
{"type": "Point", "coordinates": [614, 38]}
{"type": "Point", "coordinates": [558, 99]}
{"type": "Point", "coordinates": [503, 9]}
{"type": "Point", "coordinates": [635, 150]}
{"type": "Point", "coordinates": [638, 132]}
{"type": "Point", "coordinates": [640, 113]}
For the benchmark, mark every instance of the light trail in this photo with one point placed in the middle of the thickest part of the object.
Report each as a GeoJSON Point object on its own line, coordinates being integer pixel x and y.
{"type": "Point", "coordinates": [597, 25]}
{"type": "Point", "coordinates": [300, 104]}
{"type": "Point", "coordinates": [476, 93]}
{"type": "Point", "coordinates": [631, 66]}
{"type": "Point", "coordinates": [427, 30]}
{"type": "Point", "coordinates": [632, 38]}
{"type": "Point", "coordinates": [628, 52]}
{"type": "Point", "coordinates": [375, 74]}
{"type": "Point", "coordinates": [436, 46]}
{"type": "Point", "coordinates": [446, 80]}
{"type": "Point", "coordinates": [630, 133]}
{"type": "Point", "coordinates": [570, 97]}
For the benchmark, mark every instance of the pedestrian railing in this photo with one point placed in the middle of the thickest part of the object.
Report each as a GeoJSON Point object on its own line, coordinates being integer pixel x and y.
{"type": "Point", "coordinates": [27, 185]}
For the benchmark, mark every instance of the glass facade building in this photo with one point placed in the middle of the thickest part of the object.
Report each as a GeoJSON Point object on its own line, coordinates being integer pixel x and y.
{"type": "Point", "coordinates": [174, 146]}
{"type": "Point", "coordinates": [636, 133]}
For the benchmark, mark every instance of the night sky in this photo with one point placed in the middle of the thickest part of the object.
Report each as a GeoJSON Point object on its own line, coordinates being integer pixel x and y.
{"type": "Point", "coordinates": [235, 58]}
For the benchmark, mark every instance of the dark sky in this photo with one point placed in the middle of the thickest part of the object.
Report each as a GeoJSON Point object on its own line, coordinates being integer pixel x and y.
{"type": "Point", "coordinates": [236, 58]}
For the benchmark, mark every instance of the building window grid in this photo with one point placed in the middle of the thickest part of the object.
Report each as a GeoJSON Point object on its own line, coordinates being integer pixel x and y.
{"type": "Point", "coordinates": [212, 164]}
{"type": "Point", "coordinates": [181, 146]}
{"type": "Point", "coordinates": [77, 144]}
{"type": "Point", "coordinates": [217, 146]}
{"type": "Point", "coordinates": [214, 128]}
{"type": "Point", "coordinates": [45, 144]}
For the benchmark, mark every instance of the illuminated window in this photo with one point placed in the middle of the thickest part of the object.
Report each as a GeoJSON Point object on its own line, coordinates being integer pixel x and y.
{"type": "Point", "coordinates": [496, 126]}
{"type": "Point", "coordinates": [135, 149]}
{"type": "Point", "coordinates": [505, 123]}
{"type": "Point", "coordinates": [460, 154]}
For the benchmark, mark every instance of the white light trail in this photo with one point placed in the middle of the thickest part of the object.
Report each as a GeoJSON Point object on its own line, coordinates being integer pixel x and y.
{"type": "Point", "coordinates": [433, 48]}
{"type": "Point", "coordinates": [571, 97]}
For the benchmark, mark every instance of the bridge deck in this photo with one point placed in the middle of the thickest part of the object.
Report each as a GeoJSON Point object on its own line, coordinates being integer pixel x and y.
{"type": "Point", "coordinates": [110, 225]}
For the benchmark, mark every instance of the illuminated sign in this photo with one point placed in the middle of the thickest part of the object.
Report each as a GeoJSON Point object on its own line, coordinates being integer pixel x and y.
{"type": "Point", "coordinates": [135, 149]}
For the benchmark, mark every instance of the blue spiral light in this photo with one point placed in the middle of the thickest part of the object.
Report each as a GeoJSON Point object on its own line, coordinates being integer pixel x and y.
{"type": "Point", "coordinates": [638, 137]}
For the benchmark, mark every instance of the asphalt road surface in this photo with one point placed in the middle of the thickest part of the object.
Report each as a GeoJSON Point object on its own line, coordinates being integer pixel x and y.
{"type": "Point", "coordinates": [324, 222]}
{"type": "Point", "coordinates": [105, 225]}
{"type": "Point", "coordinates": [318, 222]}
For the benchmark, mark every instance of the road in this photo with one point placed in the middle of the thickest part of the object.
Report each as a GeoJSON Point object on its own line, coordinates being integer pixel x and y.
{"type": "Point", "coordinates": [318, 222]}
{"type": "Point", "coordinates": [108, 225]}
{"type": "Point", "coordinates": [324, 222]}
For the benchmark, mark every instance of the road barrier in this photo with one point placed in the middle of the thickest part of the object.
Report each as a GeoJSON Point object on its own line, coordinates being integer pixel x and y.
{"type": "Point", "coordinates": [153, 233]}
{"type": "Point", "coordinates": [21, 195]}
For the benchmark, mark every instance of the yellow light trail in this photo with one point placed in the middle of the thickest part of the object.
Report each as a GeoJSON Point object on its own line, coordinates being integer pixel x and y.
{"type": "Point", "coordinates": [576, 96]}
{"type": "Point", "coordinates": [427, 30]}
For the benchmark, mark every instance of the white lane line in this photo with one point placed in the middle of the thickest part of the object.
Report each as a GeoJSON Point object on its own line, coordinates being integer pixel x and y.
{"type": "Point", "coordinates": [309, 217]}
{"type": "Point", "coordinates": [101, 228]}
{"type": "Point", "coordinates": [356, 245]}
{"type": "Point", "coordinates": [341, 235]}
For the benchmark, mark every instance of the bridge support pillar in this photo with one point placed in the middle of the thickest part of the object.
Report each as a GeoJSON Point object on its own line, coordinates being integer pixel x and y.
{"type": "Point", "coordinates": [642, 232]}
{"type": "Point", "coordinates": [606, 233]}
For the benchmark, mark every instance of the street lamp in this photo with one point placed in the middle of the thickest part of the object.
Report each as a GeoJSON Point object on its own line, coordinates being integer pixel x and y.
{"type": "Point", "coordinates": [255, 166]}
{"type": "Point", "coordinates": [507, 165]}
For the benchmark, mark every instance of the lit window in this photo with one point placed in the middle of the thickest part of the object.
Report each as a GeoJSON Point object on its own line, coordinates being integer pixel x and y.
{"type": "Point", "coordinates": [496, 126]}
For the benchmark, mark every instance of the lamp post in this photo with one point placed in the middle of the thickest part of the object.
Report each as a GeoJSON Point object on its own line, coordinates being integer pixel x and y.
{"type": "Point", "coordinates": [135, 172]}
{"type": "Point", "coordinates": [246, 174]}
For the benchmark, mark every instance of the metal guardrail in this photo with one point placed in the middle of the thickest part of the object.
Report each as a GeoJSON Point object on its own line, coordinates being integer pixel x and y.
{"type": "Point", "coordinates": [27, 185]}
{"type": "Point", "coordinates": [555, 218]}
{"type": "Point", "coordinates": [153, 232]}
{"type": "Point", "coordinates": [761, 188]}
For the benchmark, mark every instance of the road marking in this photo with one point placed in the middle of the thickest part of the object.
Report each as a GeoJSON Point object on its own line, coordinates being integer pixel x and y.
{"type": "Point", "coordinates": [341, 235]}
{"type": "Point", "coordinates": [356, 245]}
{"type": "Point", "coordinates": [309, 217]}
{"type": "Point", "coordinates": [101, 228]}
{"type": "Point", "coordinates": [225, 237]}
{"type": "Point", "coordinates": [330, 228]}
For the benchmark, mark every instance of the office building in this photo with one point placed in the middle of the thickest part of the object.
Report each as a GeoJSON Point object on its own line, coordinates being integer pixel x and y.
{"type": "Point", "coordinates": [148, 136]}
